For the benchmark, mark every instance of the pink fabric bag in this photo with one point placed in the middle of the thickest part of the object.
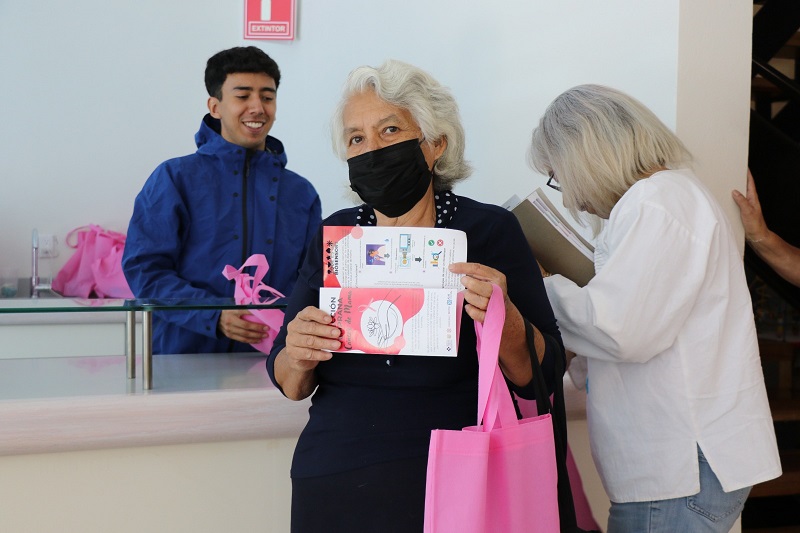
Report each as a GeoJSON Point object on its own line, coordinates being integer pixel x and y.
{"type": "Point", "coordinates": [498, 476]}
{"type": "Point", "coordinates": [248, 291]}
{"type": "Point", "coordinates": [583, 512]}
{"type": "Point", "coordinates": [95, 269]}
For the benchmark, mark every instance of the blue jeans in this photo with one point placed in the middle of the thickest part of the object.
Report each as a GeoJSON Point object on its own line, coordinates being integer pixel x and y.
{"type": "Point", "coordinates": [711, 510]}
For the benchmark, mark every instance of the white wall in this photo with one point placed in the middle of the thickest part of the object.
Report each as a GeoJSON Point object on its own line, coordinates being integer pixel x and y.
{"type": "Point", "coordinates": [95, 95]}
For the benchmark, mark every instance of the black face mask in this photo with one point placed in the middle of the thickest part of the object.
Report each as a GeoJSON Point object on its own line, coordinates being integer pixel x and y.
{"type": "Point", "coordinates": [392, 179]}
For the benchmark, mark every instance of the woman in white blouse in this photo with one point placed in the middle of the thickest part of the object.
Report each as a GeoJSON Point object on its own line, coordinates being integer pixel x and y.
{"type": "Point", "coordinates": [679, 423]}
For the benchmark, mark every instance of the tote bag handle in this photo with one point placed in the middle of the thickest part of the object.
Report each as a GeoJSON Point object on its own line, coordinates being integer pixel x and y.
{"type": "Point", "coordinates": [566, 504]}
{"type": "Point", "coordinates": [252, 291]}
{"type": "Point", "coordinates": [495, 405]}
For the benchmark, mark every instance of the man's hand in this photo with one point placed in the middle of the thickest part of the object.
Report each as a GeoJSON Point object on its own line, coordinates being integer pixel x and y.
{"type": "Point", "coordinates": [233, 325]}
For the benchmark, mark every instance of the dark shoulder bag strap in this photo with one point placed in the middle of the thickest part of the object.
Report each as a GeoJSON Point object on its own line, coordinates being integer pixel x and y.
{"type": "Point", "coordinates": [566, 506]}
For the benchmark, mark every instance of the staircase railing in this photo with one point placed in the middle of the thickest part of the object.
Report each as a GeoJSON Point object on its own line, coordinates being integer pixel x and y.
{"type": "Point", "coordinates": [774, 156]}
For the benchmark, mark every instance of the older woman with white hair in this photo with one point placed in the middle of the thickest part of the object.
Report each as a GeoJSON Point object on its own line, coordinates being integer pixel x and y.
{"type": "Point", "coordinates": [679, 423]}
{"type": "Point", "coordinates": [360, 463]}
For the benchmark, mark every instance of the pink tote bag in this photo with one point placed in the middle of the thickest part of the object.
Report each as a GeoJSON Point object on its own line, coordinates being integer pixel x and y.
{"type": "Point", "coordinates": [583, 512]}
{"type": "Point", "coordinates": [500, 475]}
{"type": "Point", "coordinates": [95, 269]}
{"type": "Point", "coordinates": [248, 290]}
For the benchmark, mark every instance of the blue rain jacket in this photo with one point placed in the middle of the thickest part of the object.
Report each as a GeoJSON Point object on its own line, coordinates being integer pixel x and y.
{"type": "Point", "coordinates": [216, 207]}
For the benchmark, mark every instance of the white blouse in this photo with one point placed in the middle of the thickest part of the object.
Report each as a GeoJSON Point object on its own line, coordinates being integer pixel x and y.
{"type": "Point", "coordinates": [667, 327]}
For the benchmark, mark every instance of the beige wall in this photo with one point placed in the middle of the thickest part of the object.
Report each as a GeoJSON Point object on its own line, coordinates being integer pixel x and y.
{"type": "Point", "coordinates": [200, 488]}
{"type": "Point", "coordinates": [713, 94]}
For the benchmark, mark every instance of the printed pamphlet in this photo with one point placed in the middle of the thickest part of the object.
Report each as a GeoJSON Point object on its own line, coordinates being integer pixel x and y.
{"type": "Point", "coordinates": [390, 290]}
{"type": "Point", "coordinates": [397, 321]}
{"type": "Point", "coordinates": [378, 256]}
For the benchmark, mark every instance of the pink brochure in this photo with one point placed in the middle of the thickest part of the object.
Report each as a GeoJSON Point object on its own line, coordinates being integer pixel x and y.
{"type": "Point", "coordinates": [390, 289]}
{"type": "Point", "coordinates": [395, 321]}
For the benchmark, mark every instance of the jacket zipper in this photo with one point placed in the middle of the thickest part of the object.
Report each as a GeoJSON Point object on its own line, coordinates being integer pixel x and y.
{"type": "Point", "coordinates": [245, 172]}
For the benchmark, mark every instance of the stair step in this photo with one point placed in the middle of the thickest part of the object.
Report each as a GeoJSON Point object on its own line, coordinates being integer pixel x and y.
{"type": "Point", "coordinates": [790, 49]}
{"type": "Point", "coordinates": [785, 485]}
{"type": "Point", "coordinates": [784, 405]}
{"type": "Point", "coordinates": [777, 350]}
{"type": "Point", "coordinates": [783, 355]}
{"type": "Point", "coordinates": [760, 88]}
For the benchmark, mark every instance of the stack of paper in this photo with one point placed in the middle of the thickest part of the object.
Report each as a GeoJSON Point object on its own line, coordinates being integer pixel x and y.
{"type": "Point", "coordinates": [390, 290]}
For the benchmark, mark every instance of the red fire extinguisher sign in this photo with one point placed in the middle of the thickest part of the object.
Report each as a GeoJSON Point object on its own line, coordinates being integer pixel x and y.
{"type": "Point", "coordinates": [269, 19]}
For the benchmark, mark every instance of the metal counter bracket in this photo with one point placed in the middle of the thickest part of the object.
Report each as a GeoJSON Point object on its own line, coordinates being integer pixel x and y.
{"type": "Point", "coordinates": [130, 342]}
{"type": "Point", "coordinates": [147, 349]}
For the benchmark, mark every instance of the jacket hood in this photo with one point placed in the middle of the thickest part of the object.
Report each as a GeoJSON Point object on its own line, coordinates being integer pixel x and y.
{"type": "Point", "coordinates": [209, 140]}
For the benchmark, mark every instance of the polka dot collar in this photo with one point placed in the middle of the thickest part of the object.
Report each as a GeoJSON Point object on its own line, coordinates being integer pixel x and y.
{"type": "Point", "coordinates": [446, 206]}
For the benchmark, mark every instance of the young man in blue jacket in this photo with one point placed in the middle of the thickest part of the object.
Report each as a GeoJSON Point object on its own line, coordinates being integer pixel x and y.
{"type": "Point", "coordinates": [232, 198]}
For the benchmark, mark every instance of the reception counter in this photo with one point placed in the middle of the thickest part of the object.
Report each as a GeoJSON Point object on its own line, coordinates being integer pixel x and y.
{"type": "Point", "coordinates": [83, 448]}
{"type": "Point", "coordinates": [83, 403]}
{"type": "Point", "coordinates": [207, 449]}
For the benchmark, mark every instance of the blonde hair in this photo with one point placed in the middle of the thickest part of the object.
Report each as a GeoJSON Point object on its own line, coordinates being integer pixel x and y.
{"type": "Point", "coordinates": [431, 105]}
{"type": "Point", "coordinates": [598, 142]}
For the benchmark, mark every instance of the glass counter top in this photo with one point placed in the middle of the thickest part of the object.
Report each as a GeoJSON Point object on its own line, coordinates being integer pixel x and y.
{"type": "Point", "coordinates": [129, 306]}
{"type": "Point", "coordinates": [94, 305]}
{"type": "Point", "coordinates": [64, 377]}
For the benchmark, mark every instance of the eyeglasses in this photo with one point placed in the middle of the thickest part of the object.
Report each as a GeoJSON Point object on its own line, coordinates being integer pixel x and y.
{"type": "Point", "coordinates": [553, 182]}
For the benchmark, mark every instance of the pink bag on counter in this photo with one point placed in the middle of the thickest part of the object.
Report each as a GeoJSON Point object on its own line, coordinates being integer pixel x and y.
{"type": "Point", "coordinates": [95, 269]}
{"type": "Point", "coordinates": [498, 476]}
{"type": "Point", "coordinates": [248, 291]}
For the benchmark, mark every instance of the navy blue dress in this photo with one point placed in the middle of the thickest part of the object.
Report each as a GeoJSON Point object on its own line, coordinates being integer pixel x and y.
{"type": "Point", "coordinates": [371, 413]}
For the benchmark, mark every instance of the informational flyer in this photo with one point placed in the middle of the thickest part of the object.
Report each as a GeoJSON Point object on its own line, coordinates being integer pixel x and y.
{"type": "Point", "coordinates": [390, 290]}
{"type": "Point", "coordinates": [395, 321]}
{"type": "Point", "coordinates": [378, 256]}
